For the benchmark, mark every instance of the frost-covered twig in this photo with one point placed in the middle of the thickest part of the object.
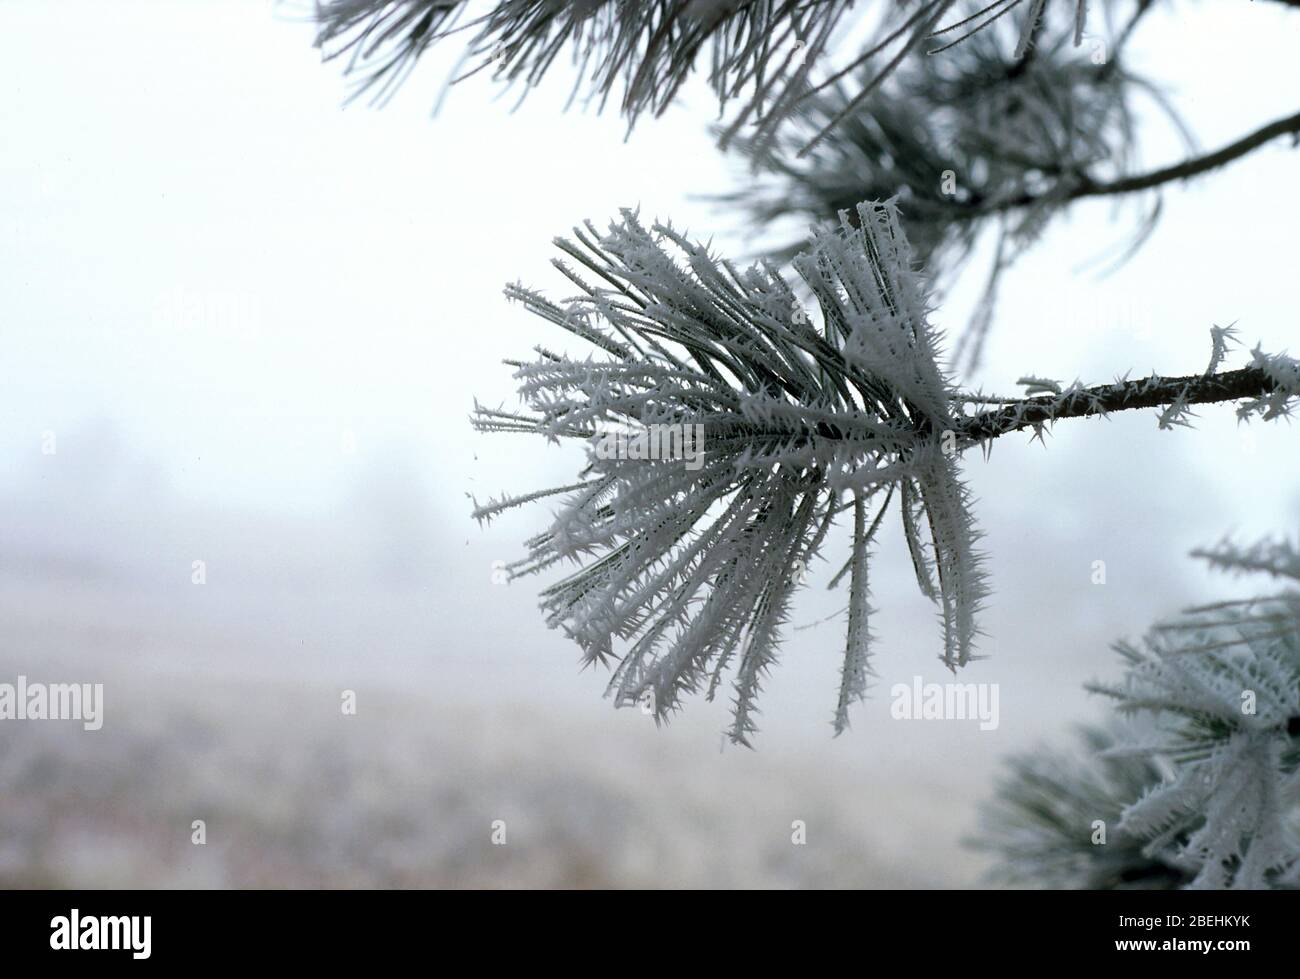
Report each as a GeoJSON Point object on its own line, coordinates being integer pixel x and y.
{"type": "Point", "coordinates": [1084, 186]}
{"type": "Point", "coordinates": [727, 429]}
{"type": "Point", "coordinates": [1264, 387]}
{"type": "Point", "coordinates": [696, 561]}
{"type": "Point", "coordinates": [1225, 683]}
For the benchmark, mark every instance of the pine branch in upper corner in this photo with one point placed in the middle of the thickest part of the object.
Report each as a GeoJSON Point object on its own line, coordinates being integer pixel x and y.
{"type": "Point", "coordinates": [637, 53]}
{"type": "Point", "coordinates": [763, 56]}
{"type": "Point", "coordinates": [1005, 130]}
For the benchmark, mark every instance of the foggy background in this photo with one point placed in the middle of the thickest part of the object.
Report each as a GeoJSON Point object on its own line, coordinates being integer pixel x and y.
{"type": "Point", "coordinates": [255, 323]}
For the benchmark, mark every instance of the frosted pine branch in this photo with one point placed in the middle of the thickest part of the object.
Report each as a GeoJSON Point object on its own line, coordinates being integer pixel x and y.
{"type": "Point", "coordinates": [765, 56]}
{"type": "Point", "coordinates": [1208, 796]}
{"type": "Point", "coordinates": [1042, 822]}
{"type": "Point", "coordinates": [1224, 680]}
{"type": "Point", "coordinates": [697, 559]}
{"type": "Point", "coordinates": [727, 428]}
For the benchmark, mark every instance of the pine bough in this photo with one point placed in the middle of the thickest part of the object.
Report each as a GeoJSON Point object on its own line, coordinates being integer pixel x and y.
{"type": "Point", "coordinates": [760, 53]}
{"type": "Point", "coordinates": [694, 567]}
{"type": "Point", "coordinates": [1209, 797]}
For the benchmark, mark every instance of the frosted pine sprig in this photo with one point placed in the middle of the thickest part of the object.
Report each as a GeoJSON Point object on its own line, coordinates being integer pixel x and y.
{"type": "Point", "coordinates": [1283, 373]}
{"type": "Point", "coordinates": [783, 420]}
{"type": "Point", "coordinates": [1043, 822]}
{"type": "Point", "coordinates": [1224, 682]}
{"type": "Point", "coordinates": [695, 569]}
{"type": "Point", "coordinates": [1207, 793]}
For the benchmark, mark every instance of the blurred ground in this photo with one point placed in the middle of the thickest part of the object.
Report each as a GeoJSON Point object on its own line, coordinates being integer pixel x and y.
{"type": "Point", "coordinates": [223, 700]}
{"type": "Point", "coordinates": [405, 793]}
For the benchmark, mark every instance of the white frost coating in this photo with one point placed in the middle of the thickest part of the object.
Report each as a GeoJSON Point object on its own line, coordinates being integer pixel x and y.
{"type": "Point", "coordinates": [688, 573]}
{"type": "Point", "coordinates": [688, 563]}
{"type": "Point", "coordinates": [1284, 372]}
{"type": "Point", "coordinates": [1223, 683]}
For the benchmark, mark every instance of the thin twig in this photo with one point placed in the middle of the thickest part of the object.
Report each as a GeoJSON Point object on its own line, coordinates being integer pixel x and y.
{"type": "Point", "coordinates": [1153, 392]}
{"type": "Point", "coordinates": [1087, 187]}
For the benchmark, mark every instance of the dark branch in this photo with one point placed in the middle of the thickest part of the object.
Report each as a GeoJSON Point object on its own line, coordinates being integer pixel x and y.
{"type": "Point", "coordinates": [1153, 392]}
{"type": "Point", "coordinates": [1087, 187]}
